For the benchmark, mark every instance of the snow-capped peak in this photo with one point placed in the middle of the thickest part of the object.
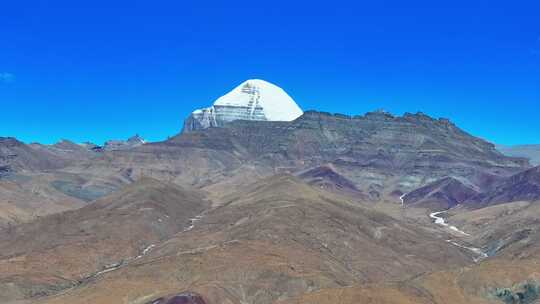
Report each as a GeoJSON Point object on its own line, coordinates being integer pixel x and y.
{"type": "Point", "coordinates": [276, 104]}
{"type": "Point", "coordinates": [254, 99]}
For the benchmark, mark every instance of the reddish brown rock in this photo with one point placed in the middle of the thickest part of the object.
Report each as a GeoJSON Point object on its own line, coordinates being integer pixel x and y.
{"type": "Point", "coordinates": [183, 298]}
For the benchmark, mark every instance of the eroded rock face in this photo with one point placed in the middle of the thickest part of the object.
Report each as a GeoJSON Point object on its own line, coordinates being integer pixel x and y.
{"type": "Point", "coordinates": [368, 150]}
{"type": "Point", "coordinates": [183, 298]}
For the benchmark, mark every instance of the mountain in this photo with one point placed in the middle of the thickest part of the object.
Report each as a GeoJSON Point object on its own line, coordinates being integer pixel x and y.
{"type": "Point", "coordinates": [378, 152]}
{"type": "Point", "coordinates": [68, 145]}
{"type": "Point", "coordinates": [24, 198]}
{"type": "Point", "coordinates": [441, 194]}
{"type": "Point", "coordinates": [130, 143]}
{"type": "Point", "coordinates": [247, 207]}
{"type": "Point", "coordinates": [105, 234]}
{"type": "Point", "coordinates": [326, 177]}
{"type": "Point", "coordinates": [91, 146]}
{"type": "Point", "coordinates": [532, 152]}
{"type": "Point", "coordinates": [16, 156]}
{"type": "Point", "coordinates": [380, 294]}
{"type": "Point", "coordinates": [35, 179]}
{"type": "Point", "coordinates": [523, 186]}
{"type": "Point", "coordinates": [449, 192]}
{"type": "Point", "coordinates": [275, 239]}
{"type": "Point", "coordinates": [254, 99]}
{"type": "Point", "coordinates": [67, 150]}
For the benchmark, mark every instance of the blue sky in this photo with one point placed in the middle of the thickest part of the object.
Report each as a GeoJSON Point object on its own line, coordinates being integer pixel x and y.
{"type": "Point", "coordinates": [97, 71]}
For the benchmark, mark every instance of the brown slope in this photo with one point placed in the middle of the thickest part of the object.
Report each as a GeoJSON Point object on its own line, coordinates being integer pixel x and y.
{"type": "Point", "coordinates": [16, 156]}
{"type": "Point", "coordinates": [283, 207]}
{"type": "Point", "coordinates": [523, 186]}
{"type": "Point", "coordinates": [67, 150]}
{"type": "Point", "coordinates": [36, 194]}
{"type": "Point", "coordinates": [39, 193]}
{"type": "Point", "coordinates": [58, 250]}
{"type": "Point", "coordinates": [326, 177]}
{"type": "Point", "coordinates": [441, 194]}
{"type": "Point", "coordinates": [30, 184]}
{"type": "Point", "coordinates": [26, 197]}
{"type": "Point", "coordinates": [180, 164]}
{"type": "Point", "coordinates": [510, 229]}
{"type": "Point", "coordinates": [494, 281]}
{"type": "Point", "coordinates": [510, 234]}
{"type": "Point", "coordinates": [275, 239]}
{"type": "Point", "coordinates": [373, 294]}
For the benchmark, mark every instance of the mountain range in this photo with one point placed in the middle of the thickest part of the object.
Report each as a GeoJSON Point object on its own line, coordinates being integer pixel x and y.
{"type": "Point", "coordinates": [258, 201]}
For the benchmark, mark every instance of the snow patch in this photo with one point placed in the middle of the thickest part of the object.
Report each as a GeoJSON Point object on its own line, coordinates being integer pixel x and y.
{"type": "Point", "coordinates": [147, 249]}
{"type": "Point", "coordinates": [108, 268]}
{"type": "Point", "coordinates": [441, 221]}
{"type": "Point", "coordinates": [401, 199]}
{"type": "Point", "coordinates": [192, 222]}
{"type": "Point", "coordinates": [481, 255]}
{"type": "Point", "coordinates": [116, 266]}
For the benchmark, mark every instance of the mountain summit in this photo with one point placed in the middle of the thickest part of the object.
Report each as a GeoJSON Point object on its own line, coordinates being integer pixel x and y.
{"type": "Point", "coordinates": [254, 99]}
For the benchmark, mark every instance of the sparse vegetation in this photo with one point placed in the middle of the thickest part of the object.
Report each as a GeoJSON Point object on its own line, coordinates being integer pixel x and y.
{"type": "Point", "coordinates": [524, 293]}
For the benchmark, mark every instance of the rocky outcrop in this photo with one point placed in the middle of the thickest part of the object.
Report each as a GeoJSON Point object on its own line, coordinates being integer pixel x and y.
{"type": "Point", "coordinates": [182, 298]}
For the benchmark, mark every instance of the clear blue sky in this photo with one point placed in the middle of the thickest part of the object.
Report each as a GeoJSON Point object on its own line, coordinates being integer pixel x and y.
{"type": "Point", "coordinates": [97, 70]}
